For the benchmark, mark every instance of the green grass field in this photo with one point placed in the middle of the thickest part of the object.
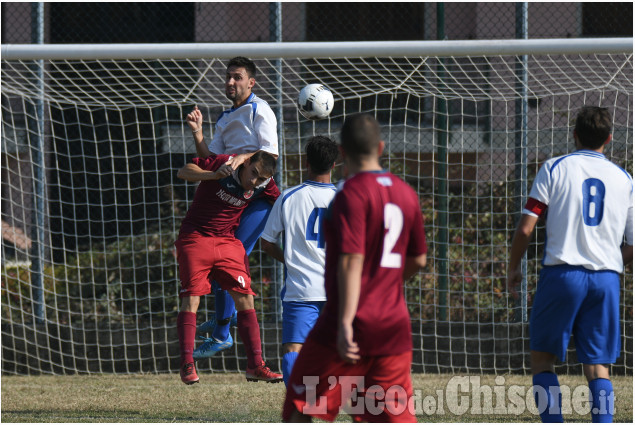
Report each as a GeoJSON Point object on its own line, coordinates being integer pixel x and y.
{"type": "Point", "coordinates": [230, 398]}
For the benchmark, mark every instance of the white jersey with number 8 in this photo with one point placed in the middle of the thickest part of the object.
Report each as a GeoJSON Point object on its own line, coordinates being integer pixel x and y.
{"type": "Point", "coordinates": [590, 210]}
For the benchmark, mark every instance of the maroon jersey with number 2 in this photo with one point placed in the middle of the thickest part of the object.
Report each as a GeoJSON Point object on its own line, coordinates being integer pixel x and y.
{"type": "Point", "coordinates": [378, 215]}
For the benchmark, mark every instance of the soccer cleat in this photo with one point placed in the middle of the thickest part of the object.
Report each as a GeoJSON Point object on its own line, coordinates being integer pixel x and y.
{"type": "Point", "coordinates": [263, 373]}
{"type": "Point", "coordinates": [188, 374]}
{"type": "Point", "coordinates": [209, 326]}
{"type": "Point", "coordinates": [211, 346]}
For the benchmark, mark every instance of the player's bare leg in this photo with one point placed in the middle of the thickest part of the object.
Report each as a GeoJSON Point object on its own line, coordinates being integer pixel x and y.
{"type": "Point", "coordinates": [249, 331]}
{"type": "Point", "coordinates": [292, 347]}
{"type": "Point", "coordinates": [542, 362]}
{"type": "Point", "coordinates": [595, 371]}
{"type": "Point", "coordinates": [601, 389]}
{"type": "Point", "coordinates": [186, 326]}
{"type": "Point", "coordinates": [546, 386]}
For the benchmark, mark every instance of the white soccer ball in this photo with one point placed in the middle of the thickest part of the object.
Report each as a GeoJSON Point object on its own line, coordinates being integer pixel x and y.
{"type": "Point", "coordinates": [315, 101]}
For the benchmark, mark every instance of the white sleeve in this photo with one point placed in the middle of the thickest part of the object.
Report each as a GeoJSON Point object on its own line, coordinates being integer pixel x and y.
{"type": "Point", "coordinates": [531, 213]}
{"type": "Point", "coordinates": [216, 146]}
{"type": "Point", "coordinates": [629, 221]}
{"type": "Point", "coordinates": [274, 225]}
{"type": "Point", "coordinates": [541, 189]}
{"type": "Point", "coordinates": [266, 127]}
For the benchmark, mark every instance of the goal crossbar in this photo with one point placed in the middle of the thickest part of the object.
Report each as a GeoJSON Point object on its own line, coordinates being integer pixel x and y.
{"type": "Point", "coordinates": [316, 49]}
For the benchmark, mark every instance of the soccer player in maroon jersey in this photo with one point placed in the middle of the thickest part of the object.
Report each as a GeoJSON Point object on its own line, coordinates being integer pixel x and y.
{"type": "Point", "coordinates": [207, 245]}
{"type": "Point", "coordinates": [374, 240]}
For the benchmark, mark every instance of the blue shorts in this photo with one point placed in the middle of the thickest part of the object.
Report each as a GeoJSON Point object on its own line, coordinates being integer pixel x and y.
{"type": "Point", "coordinates": [298, 318]}
{"type": "Point", "coordinates": [572, 299]}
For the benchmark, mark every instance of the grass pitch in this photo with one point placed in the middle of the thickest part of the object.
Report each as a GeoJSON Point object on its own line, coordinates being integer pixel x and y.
{"type": "Point", "coordinates": [230, 398]}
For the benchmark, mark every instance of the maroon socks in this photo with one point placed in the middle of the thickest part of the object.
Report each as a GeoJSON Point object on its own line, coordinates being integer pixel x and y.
{"type": "Point", "coordinates": [249, 331]}
{"type": "Point", "coordinates": [186, 326]}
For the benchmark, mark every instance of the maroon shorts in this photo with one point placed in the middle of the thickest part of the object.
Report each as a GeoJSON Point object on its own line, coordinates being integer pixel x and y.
{"type": "Point", "coordinates": [203, 258]}
{"type": "Point", "coordinates": [321, 383]}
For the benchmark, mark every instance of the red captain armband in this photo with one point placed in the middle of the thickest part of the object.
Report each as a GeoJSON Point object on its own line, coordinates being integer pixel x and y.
{"type": "Point", "coordinates": [535, 206]}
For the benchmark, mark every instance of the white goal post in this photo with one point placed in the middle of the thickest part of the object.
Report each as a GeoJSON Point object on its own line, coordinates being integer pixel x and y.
{"type": "Point", "coordinates": [92, 136]}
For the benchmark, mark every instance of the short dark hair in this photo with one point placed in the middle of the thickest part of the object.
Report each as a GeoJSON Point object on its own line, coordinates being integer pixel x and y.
{"type": "Point", "coordinates": [593, 126]}
{"type": "Point", "coordinates": [267, 160]}
{"type": "Point", "coordinates": [360, 135]}
{"type": "Point", "coordinates": [243, 62]}
{"type": "Point", "coordinates": [321, 153]}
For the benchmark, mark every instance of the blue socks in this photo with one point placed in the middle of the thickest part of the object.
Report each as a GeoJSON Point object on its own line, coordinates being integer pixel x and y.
{"type": "Point", "coordinates": [287, 365]}
{"type": "Point", "coordinates": [224, 310]}
{"type": "Point", "coordinates": [602, 400]}
{"type": "Point", "coordinates": [548, 398]}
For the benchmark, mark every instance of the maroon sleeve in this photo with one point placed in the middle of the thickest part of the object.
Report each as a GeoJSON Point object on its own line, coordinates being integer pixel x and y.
{"type": "Point", "coordinates": [349, 219]}
{"type": "Point", "coordinates": [211, 163]}
{"type": "Point", "coordinates": [271, 192]}
{"type": "Point", "coordinates": [417, 244]}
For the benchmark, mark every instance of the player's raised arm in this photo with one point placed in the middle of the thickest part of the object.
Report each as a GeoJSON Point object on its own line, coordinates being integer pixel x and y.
{"type": "Point", "coordinates": [237, 160]}
{"type": "Point", "coordinates": [194, 173]}
{"type": "Point", "coordinates": [195, 121]}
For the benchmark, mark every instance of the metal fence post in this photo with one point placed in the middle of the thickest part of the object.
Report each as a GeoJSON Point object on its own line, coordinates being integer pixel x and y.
{"type": "Point", "coordinates": [521, 144]}
{"type": "Point", "coordinates": [36, 136]}
{"type": "Point", "coordinates": [275, 34]}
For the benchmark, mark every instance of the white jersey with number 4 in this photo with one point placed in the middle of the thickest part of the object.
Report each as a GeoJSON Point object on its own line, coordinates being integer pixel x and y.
{"type": "Point", "coordinates": [298, 212]}
{"type": "Point", "coordinates": [589, 210]}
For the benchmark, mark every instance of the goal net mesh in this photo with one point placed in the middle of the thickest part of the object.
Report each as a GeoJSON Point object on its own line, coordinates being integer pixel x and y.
{"type": "Point", "coordinates": [91, 204]}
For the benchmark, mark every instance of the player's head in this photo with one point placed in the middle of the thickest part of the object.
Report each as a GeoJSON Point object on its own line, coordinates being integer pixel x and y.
{"type": "Point", "coordinates": [257, 169]}
{"type": "Point", "coordinates": [321, 153]}
{"type": "Point", "coordinates": [239, 79]}
{"type": "Point", "coordinates": [243, 62]}
{"type": "Point", "coordinates": [593, 127]}
{"type": "Point", "coordinates": [361, 137]}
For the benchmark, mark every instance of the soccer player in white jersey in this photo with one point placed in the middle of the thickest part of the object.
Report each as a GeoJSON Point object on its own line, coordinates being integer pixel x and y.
{"type": "Point", "coordinates": [247, 127]}
{"type": "Point", "coordinates": [589, 239]}
{"type": "Point", "coordinates": [298, 213]}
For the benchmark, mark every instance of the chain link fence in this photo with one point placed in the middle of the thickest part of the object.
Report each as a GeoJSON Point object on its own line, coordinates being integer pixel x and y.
{"type": "Point", "coordinates": [319, 21]}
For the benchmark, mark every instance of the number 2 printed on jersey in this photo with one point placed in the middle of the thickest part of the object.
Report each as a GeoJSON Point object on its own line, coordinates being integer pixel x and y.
{"type": "Point", "coordinates": [393, 222]}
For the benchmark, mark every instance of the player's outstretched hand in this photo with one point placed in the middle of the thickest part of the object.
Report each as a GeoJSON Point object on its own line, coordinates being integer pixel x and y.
{"type": "Point", "coordinates": [237, 160]}
{"type": "Point", "coordinates": [514, 276]}
{"type": "Point", "coordinates": [195, 119]}
{"type": "Point", "coordinates": [346, 347]}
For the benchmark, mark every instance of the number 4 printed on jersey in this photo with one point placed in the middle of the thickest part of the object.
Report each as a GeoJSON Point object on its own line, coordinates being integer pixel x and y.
{"type": "Point", "coordinates": [314, 227]}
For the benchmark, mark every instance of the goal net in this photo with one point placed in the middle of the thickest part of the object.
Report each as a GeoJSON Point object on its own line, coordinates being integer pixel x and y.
{"type": "Point", "coordinates": [92, 136]}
